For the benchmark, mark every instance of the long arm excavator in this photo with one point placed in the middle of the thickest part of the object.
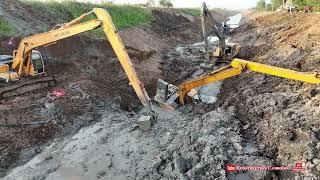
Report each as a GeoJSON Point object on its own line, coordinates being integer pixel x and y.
{"type": "Point", "coordinates": [171, 96]}
{"type": "Point", "coordinates": [225, 50]}
{"type": "Point", "coordinates": [29, 63]}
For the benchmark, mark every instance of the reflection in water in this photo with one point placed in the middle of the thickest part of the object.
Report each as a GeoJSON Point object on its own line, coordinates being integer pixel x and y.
{"type": "Point", "coordinates": [234, 21]}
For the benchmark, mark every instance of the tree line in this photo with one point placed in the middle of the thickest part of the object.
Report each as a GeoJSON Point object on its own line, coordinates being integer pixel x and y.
{"type": "Point", "coordinates": [262, 5]}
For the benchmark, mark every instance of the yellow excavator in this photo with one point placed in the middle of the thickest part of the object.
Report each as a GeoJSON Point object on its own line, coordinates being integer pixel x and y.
{"type": "Point", "coordinates": [26, 67]}
{"type": "Point", "coordinates": [225, 51]}
{"type": "Point", "coordinates": [170, 96]}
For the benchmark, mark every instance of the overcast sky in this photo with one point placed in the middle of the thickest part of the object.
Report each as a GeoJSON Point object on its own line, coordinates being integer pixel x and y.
{"type": "Point", "coordinates": [229, 4]}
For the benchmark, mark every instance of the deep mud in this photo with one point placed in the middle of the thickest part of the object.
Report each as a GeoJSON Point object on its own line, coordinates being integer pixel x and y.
{"type": "Point", "coordinates": [113, 149]}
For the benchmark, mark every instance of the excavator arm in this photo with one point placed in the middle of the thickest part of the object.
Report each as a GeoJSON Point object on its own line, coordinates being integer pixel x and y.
{"type": "Point", "coordinates": [236, 67]}
{"type": "Point", "coordinates": [22, 62]}
{"type": "Point", "coordinates": [207, 18]}
{"type": "Point", "coordinates": [226, 50]}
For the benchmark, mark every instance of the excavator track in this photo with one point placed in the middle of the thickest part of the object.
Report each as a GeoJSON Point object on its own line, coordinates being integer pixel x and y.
{"type": "Point", "coordinates": [25, 86]}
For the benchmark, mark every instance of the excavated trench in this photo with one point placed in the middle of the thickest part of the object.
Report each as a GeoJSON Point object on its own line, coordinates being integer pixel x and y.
{"type": "Point", "coordinates": [189, 143]}
{"type": "Point", "coordinates": [92, 134]}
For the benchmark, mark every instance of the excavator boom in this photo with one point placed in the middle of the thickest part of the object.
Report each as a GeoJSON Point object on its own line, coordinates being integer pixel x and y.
{"type": "Point", "coordinates": [22, 59]}
{"type": "Point", "coordinates": [236, 67]}
{"type": "Point", "coordinates": [206, 18]}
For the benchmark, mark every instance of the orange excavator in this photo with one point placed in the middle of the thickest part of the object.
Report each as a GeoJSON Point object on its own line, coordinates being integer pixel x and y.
{"type": "Point", "coordinates": [24, 71]}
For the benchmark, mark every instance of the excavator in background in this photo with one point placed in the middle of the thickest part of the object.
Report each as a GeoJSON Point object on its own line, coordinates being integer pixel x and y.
{"type": "Point", "coordinates": [170, 96]}
{"type": "Point", "coordinates": [24, 71]}
{"type": "Point", "coordinates": [225, 50]}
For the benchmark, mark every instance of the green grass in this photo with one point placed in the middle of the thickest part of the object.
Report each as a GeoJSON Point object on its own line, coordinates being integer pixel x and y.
{"type": "Point", "coordinates": [197, 11]}
{"type": "Point", "coordinates": [5, 28]}
{"type": "Point", "coordinates": [123, 16]}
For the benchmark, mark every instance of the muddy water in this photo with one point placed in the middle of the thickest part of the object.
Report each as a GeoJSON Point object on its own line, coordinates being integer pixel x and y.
{"type": "Point", "coordinates": [234, 21]}
{"type": "Point", "coordinates": [189, 63]}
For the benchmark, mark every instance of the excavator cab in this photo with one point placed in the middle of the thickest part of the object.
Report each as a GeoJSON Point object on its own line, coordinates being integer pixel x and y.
{"type": "Point", "coordinates": [230, 51]}
{"type": "Point", "coordinates": [37, 62]}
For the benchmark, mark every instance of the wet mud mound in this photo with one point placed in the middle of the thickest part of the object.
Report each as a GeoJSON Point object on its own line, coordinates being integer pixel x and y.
{"type": "Point", "coordinates": [285, 113]}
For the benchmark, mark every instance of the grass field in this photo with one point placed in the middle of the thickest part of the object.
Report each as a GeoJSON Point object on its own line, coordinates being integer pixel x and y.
{"type": "Point", "coordinates": [123, 16]}
{"type": "Point", "coordinates": [5, 28]}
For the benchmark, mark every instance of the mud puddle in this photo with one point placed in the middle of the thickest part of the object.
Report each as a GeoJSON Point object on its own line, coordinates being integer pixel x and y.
{"type": "Point", "coordinates": [208, 93]}
{"type": "Point", "coordinates": [234, 21]}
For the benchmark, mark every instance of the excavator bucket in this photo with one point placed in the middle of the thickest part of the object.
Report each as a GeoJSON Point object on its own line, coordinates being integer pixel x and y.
{"type": "Point", "coordinates": [167, 95]}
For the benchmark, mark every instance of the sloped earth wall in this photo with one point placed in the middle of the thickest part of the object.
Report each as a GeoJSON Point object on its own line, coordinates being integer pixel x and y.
{"type": "Point", "coordinates": [284, 113]}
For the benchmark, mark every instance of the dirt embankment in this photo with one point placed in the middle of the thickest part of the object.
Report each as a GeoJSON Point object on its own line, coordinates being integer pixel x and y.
{"type": "Point", "coordinates": [285, 113]}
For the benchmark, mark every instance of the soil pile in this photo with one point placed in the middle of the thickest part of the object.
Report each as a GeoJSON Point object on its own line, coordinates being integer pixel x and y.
{"type": "Point", "coordinates": [24, 19]}
{"type": "Point", "coordinates": [174, 27]}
